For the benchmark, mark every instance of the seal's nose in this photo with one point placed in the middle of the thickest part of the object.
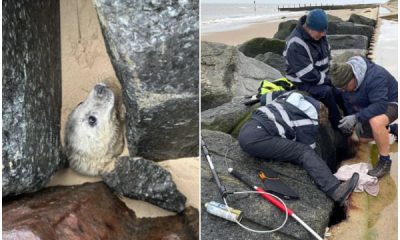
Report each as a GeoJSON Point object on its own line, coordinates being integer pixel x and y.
{"type": "Point", "coordinates": [99, 88]}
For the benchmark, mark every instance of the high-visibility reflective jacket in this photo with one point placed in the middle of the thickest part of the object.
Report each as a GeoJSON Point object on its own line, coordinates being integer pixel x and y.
{"type": "Point", "coordinates": [307, 60]}
{"type": "Point", "coordinates": [290, 115]}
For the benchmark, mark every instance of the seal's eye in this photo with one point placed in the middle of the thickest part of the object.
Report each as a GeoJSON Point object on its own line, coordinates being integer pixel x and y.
{"type": "Point", "coordinates": [92, 121]}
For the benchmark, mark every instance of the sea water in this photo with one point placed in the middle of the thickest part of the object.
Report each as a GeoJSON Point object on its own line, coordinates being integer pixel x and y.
{"type": "Point", "coordinates": [233, 14]}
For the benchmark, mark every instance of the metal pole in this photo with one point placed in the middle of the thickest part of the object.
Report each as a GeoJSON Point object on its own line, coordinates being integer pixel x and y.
{"type": "Point", "coordinates": [221, 188]}
{"type": "Point", "coordinates": [272, 200]}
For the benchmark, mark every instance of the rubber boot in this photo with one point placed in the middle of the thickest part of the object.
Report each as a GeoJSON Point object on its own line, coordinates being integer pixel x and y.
{"type": "Point", "coordinates": [381, 169]}
{"type": "Point", "coordinates": [343, 191]}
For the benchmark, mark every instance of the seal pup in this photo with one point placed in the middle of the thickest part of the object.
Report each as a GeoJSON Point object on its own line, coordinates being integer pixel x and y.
{"type": "Point", "coordinates": [94, 131]}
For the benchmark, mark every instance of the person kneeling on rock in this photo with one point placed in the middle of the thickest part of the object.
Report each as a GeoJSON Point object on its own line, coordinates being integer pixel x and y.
{"type": "Point", "coordinates": [284, 129]}
{"type": "Point", "coordinates": [370, 96]}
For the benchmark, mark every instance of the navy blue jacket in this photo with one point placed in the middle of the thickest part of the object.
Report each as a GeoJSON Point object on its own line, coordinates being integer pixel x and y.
{"type": "Point", "coordinates": [373, 93]}
{"type": "Point", "coordinates": [282, 119]}
{"type": "Point", "coordinates": [307, 60]}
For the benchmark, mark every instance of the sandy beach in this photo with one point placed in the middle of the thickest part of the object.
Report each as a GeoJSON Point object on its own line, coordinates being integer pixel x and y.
{"type": "Point", "coordinates": [268, 29]}
{"type": "Point", "coordinates": [85, 62]}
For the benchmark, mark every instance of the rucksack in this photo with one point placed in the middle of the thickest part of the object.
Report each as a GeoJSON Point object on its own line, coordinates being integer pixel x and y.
{"type": "Point", "coordinates": [280, 84]}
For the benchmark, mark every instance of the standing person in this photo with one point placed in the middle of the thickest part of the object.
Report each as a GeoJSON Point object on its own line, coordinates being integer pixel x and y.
{"type": "Point", "coordinates": [285, 130]}
{"type": "Point", "coordinates": [307, 54]}
{"type": "Point", "coordinates": [370, 95]}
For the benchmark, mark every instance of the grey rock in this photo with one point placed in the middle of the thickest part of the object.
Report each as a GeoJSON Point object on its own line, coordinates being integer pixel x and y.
{"type": "Point", "coordinates": [349, 28]}
{"type": "Point", "coordinates": [261, 45]}
{"type": "Point", "coordinates": [226, 117]}
{"type": "Point", "coordinates": [153, 47]}
{"type": "Point", "coordinates": [334, 28]}
{"type": "Point", "coordinates": [227, 73]}
{"type": "Point", "coordinates": [314, 207]}
{"type": "Point", "coordinates": [332, 18]}
{"type": "Point", "coordinates": [355, 18]}
{"type": "Point", "coordinates": [274, 60]}
{"type": "Point", "coordinates": [343, 55]}
{"type": "Point", "coordinates": [285, 28]}
{"type": "Point", "coordinates": [145, 180]}
{"type": "Point", "coordinates": [31, 94]}
{"type": "Point", "coordinates": [347, 42]}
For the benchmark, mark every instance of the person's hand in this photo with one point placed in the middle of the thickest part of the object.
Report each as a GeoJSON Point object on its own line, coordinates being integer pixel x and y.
{"type": "Point", "coordinates": [347, 123]}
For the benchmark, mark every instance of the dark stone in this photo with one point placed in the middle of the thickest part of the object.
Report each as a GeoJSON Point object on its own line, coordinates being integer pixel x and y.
{"type": "Point", "coordinates": [31, 94]}
{"type": "Point", "coordinates": [228, 73]}
{"type": "Point", "coordinates": [348, 28]}
{"type": "Point", "coordinates": [285, 28]}
{"type": "Point", "coordinates": [88, 211]}
{"type": "Point", "coordinates": [260, 45]}
{"type": "Point", "coordinates": [355, 18]}
{"type": "Point", "coordinates": [153, 47]}
{"type": "Point", "coordinates": [226, 117]}
{"type": "Point", "coordinates": [347, 42]}
{"type": "Point", "coordinates": [314, 207]}
{"type": "Point", "coordinates": [332, 18]}
{"type": "Point", "coordinates": [334, 28]}
{"type": "Point", "coordinates": [274, 60]}
{"type": "Point", "coordinates": [145, 180]}
{"type": "Point", "coordinates": [343, 55]}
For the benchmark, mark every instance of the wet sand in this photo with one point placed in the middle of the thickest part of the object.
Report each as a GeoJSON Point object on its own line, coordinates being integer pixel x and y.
{"type": "Point", "coordinates": [85, 62]}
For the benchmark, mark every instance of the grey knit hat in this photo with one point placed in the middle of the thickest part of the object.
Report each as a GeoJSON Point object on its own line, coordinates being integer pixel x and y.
{"type": "Point", "coordinates": [341, 74]}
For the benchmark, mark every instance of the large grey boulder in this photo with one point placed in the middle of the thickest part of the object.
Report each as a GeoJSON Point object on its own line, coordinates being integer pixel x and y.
{"type": "Point", "coordinates": [153, 47]}
{"type": "Point", "coordinates": [355, 18]}
{"type": "Point", "coordinates": [274, 60]}
{"type": "Point", "coordinates": [31, 94]}
{"type": "Point", "coordinates": [226, 73]}
{"type": "Point", "coordinates": [261, 45]}
{"type": "Point", "coordinates": [313, 207]}
{"type": "Point", "coordinates": [347, 42]}
{"type": "Point", "coordinates": [285, 28]}
{"type": "Point", "coordinates": [332, 18]}
{"type": "Point", "coordinates": [349, 28]}
{"type": "Point", "coordinates": [145, 180]}
{"type": "Point", "coordinates": [226, 117]}
{"type": "Point", "coordinates": [342, 55]}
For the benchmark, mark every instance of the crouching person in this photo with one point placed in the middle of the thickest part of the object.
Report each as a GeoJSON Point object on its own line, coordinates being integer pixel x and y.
{"type": "Point", "coordinates": [370, 96]}
{"type": "Point", "coordinates": [284, 130]}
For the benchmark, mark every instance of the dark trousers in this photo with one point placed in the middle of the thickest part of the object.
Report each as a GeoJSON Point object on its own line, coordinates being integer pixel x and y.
{"type": "Point", "coordinates": [330, 97]}
{"type": "Point", "coordinates": [254, 140]}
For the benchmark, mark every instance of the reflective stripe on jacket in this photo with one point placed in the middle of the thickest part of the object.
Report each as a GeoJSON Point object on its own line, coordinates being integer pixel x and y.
{"type": "Point", "coordinates": [307, 60]}
{"type": "Point", "coordinates": [284, 119]}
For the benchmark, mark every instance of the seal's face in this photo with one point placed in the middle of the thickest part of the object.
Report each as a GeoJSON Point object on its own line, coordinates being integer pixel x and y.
{"type": "Point", "coordinates": [94, 131]}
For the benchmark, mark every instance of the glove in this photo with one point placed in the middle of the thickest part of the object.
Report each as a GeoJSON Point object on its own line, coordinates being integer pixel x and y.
{"type": "Point", "coordinates": [359, 129]}
{"type": "Point", "coordinates": [347, 123]}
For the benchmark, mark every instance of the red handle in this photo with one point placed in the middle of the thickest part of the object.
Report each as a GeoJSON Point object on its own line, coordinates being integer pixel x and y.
{"type": "Point", "coordinates": [273, 200]}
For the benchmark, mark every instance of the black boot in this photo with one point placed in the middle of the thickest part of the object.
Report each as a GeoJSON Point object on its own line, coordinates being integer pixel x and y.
{"type": "Point", "coordinates": [343, 191]}
{"type": "Point", "coordinates": [381, 169]}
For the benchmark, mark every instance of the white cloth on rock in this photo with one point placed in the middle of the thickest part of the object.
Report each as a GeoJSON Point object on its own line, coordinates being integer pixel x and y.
{"type": "Point", "coordinates": [366, 182]}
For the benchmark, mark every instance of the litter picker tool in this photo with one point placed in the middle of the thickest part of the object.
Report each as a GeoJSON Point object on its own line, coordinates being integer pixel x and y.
{"type": "Point", "coordinates": [221, 188]}
{"type": "Point", "coordinates": [273, 201]}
